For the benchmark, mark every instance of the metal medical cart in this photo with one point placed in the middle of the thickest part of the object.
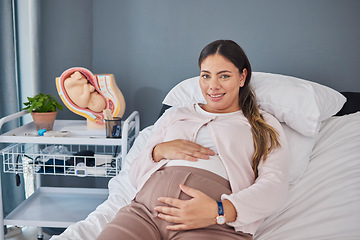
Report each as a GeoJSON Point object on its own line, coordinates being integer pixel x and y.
{"type": "Point", "coordinates": [67, 156]}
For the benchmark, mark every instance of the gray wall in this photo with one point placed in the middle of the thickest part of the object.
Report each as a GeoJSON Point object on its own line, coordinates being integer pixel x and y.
{"type": "Point", "coordinates": [152, 45]}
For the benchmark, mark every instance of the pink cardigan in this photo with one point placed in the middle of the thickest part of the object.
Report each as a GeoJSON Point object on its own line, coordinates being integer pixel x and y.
{"type": "Point", "coordinates": [253, 199]}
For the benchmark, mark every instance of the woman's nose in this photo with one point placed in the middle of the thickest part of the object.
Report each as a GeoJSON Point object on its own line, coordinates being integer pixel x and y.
{"type": "Point", "coordinates": [214, 84]}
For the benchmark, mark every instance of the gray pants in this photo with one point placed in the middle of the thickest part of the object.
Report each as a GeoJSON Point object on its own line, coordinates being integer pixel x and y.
{"type": "Point", "coordinates": [139, 221]}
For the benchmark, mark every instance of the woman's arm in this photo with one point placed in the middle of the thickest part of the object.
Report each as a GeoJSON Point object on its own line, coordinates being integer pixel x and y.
{"type": "Point", "coordinates": [181, 149]}
{"type": "Point", "coordinates": [157, 149]}
{"type": "Point", "coordinates": [270, 189]}
{"type": "Point", "coordinates": [198, 212]}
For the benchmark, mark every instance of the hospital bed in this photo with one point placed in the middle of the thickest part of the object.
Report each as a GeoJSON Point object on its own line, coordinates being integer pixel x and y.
{"type": "Point", "coordinates": [322, 127]}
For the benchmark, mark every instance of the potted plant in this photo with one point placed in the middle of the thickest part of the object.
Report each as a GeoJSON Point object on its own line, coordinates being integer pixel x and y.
{"type": "Point", "coordinates": [43, 108]}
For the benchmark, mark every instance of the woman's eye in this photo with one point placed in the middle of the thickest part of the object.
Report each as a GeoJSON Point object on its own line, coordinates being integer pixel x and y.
{"type": "Point", "coordinates": [224, 76]}
{"type": "Point", "coordinates": [205, 76]}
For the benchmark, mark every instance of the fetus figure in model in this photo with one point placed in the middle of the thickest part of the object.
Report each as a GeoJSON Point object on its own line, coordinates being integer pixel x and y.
{"type": "Point", "coordinates": [83, 94]}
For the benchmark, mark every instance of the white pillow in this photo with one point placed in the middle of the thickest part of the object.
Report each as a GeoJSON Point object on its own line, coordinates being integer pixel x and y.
{"type": "Point", "coordinates": [301, 104]}
{"type": "Point", "coordinates": [298, 104]}
{"type": "Point", "coordinates": [185, 93]}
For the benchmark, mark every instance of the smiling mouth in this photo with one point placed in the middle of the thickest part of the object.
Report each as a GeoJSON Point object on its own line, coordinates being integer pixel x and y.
{"type": "Point", "coordinates": [216, 95]}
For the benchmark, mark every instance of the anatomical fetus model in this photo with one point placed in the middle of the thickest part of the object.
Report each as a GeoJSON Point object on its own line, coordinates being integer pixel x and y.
{"type": "Point", "coordinates": [89, 95]}
{"type": "Point", "coordinates": [83, 94]}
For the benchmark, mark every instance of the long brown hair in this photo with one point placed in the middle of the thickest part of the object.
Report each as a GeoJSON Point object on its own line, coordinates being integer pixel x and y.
{"type": "Point", "coordinates": [265, 137]}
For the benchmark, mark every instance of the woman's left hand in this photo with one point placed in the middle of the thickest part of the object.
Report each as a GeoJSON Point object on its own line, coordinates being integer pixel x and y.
{"type": "Point", "coordinates": [198, 212]}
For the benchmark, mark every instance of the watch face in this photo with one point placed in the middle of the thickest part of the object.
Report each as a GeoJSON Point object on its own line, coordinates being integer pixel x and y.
{"type": "Point", "coordinates": [220, 220]}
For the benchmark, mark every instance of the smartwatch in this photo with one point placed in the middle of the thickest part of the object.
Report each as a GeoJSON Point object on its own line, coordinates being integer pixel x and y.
{"type": "Point", "coordinates": [220, 219]}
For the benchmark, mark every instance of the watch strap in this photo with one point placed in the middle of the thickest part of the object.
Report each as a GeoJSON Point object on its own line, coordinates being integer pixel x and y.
{"type": "Point", "coordinates": [220, 208]}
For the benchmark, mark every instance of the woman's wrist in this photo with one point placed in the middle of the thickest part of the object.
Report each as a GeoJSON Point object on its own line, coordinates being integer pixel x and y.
{"type": "Point", "coordinates": [229, 210]}
{"type": "Point", "coordinates": [156, 153]}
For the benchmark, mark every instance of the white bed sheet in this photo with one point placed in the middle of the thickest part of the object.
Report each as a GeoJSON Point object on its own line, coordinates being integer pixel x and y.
{"type": "Point", "coordinates": [323, 204]}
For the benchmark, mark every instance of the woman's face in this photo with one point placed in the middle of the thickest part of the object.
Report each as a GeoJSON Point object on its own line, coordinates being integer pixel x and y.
{"type": "Point", "coordinates": [220, 82]}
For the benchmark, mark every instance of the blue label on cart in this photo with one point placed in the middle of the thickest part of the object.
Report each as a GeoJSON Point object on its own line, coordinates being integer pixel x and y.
{"type": "Point", "coordinates": [116, 131]}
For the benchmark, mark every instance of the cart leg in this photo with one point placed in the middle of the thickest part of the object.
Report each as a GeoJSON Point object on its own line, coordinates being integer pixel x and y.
{"type": "Point", "coordinates": [2, 226]}
{"type": "Point", "coordinates": [2, 232]}
{"type": "Point", "coordinates": [40, 233]}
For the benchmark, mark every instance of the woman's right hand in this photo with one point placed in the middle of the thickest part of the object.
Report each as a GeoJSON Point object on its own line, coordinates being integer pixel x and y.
{"type": "Point", "coordinates": [181, 149]}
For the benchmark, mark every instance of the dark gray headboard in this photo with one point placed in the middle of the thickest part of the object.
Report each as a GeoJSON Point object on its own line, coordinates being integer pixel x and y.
{"type": "Point", "coordinates": [352, 103]}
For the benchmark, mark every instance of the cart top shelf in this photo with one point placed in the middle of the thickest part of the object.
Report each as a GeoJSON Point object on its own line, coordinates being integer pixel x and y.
{"type": "Point", "coordinates": [79, 134]}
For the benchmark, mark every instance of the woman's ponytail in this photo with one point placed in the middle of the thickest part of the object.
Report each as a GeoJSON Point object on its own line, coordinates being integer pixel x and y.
{"type": "Point", "coordinates": [265, 137]}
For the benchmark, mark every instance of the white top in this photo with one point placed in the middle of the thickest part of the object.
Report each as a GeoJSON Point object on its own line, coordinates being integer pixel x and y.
{"type": "Point", "coordinates": [214, 164]}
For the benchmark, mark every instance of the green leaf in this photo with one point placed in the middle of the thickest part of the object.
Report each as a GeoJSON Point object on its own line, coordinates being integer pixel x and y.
{"type": "Point", "coordinates": [42, 103]}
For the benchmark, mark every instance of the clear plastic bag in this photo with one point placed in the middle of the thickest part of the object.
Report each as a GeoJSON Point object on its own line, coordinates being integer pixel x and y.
{"type": "Point", "coordinates": [55, 150]}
